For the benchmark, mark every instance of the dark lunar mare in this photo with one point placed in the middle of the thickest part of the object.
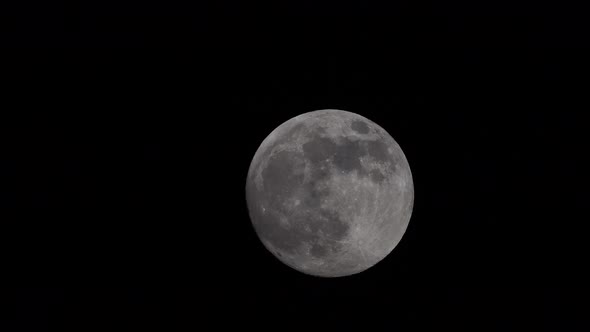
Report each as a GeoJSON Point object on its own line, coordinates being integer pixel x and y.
{"type": "Point", "coordinates": [280, 177]}
{"type": "Point", "coordinates": [346, 156]}
{"type": "Point", "coordinates": [305, 223]}
{"type": "Point", "coordinates": [377, 176]}
{"type": "Point", "coordinates": [360, 127]}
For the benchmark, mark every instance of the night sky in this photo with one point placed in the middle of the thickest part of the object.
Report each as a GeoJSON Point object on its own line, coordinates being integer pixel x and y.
{"type": "Point", "coordinates": [128, 129]}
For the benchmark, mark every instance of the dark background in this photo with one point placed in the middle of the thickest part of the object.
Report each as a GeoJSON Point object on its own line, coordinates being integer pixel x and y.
{"type": "Point", "coordinates": [128, 129]}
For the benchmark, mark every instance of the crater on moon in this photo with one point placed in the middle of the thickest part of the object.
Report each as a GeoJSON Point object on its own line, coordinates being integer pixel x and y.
{"type": "Point", "coordinates": [329, 193]}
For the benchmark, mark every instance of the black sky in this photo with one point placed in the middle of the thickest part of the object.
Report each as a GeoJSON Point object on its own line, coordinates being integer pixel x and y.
{"type": "Point", "coordinates": [129, 129]}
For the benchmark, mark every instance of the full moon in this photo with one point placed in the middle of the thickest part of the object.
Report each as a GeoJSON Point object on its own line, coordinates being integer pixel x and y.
{"type": "Point", "coordinates": [329, 193]}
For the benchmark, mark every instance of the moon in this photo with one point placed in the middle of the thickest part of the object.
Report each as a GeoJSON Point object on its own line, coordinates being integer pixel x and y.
{"type": "Point", "coordinates": [329, 193]}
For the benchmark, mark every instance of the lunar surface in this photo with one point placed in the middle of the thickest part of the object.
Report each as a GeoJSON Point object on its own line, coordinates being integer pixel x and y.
{"type": "Point", "coordinates": [329, 193]}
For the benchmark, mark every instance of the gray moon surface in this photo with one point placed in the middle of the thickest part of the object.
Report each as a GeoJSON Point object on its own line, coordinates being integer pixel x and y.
{"type": "Point", "coordinates": [329, 193]}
